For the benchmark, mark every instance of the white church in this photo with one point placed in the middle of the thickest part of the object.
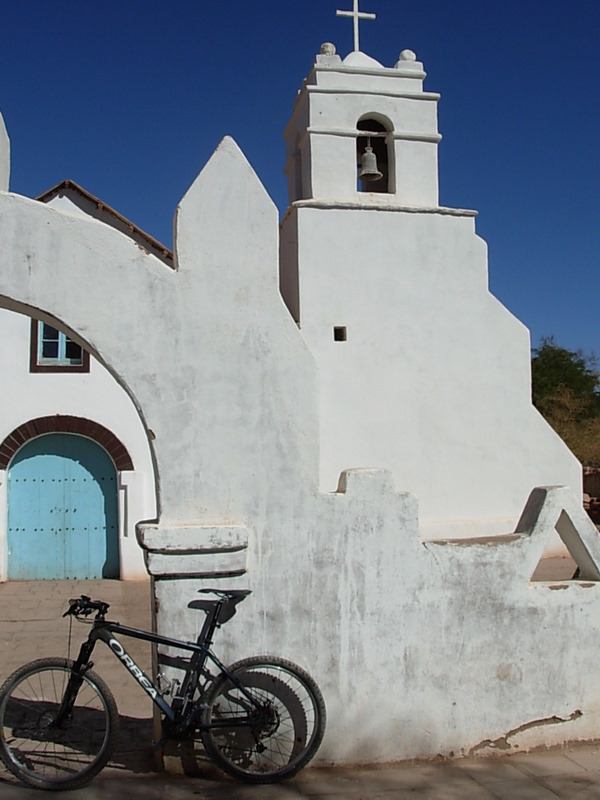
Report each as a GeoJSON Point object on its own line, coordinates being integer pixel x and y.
{"type": "Point", "coordinates": [333, 411]}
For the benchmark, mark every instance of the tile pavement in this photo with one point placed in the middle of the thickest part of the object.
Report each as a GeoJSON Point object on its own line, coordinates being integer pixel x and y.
{"type": "Point", "coordinates": [31, 627]}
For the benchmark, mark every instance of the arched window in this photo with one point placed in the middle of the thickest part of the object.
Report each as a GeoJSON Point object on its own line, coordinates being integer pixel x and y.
{"type": "Point", "coordinates": [375, 136]}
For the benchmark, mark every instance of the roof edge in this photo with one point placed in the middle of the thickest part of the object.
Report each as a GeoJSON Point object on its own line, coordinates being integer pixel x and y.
{"type": "Point", "coordinates": [153, 245]}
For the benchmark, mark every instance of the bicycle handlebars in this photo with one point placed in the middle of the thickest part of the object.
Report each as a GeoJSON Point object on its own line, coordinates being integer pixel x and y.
{"type": "Point", "coordinates": [84, 606]}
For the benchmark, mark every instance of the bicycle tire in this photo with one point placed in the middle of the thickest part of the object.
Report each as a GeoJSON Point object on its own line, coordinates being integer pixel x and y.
{"type": "Point", "coordinates": [49, 757]}
{"type": "Point", "coordinates": [272, 749]}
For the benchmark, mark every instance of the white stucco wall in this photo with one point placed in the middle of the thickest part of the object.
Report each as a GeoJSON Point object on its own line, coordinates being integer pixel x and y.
{"type": "Point", "coordinates": [433, 381]}
{"type": "Point", "coordinates": [4, 157]}
{"type": "Point", "coordinates": [210, 385]}
{"type": "Point", "coordinates": [420, 647]}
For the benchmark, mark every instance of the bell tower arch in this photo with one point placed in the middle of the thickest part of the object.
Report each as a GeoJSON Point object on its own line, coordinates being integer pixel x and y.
{"type": "Point", "coordinates": [375, 156]}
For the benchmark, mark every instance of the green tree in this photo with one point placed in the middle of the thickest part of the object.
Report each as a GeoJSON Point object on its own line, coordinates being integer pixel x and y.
{"type": "Point", "coordinates": [554, 368]}
{"type": "Point", "coordinates": [566, 390]}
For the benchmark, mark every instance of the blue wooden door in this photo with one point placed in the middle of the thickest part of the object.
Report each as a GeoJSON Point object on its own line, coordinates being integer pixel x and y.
{"type": "Point", "coordinates": [62, 510]}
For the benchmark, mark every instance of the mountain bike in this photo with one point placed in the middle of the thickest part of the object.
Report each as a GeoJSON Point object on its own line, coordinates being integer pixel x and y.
{"type": "Point", "coordinates": [260, 720]}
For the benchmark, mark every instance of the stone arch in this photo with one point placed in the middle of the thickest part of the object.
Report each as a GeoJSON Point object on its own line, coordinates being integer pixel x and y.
{"type": "Point", "coordinates": [65, 424]}
{"type": "Point", "coordinates": [119, 452]}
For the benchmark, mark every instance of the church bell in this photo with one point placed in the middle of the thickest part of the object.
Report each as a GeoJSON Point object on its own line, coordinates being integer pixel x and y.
{"type": "Point", "coordinates": [368, 166]}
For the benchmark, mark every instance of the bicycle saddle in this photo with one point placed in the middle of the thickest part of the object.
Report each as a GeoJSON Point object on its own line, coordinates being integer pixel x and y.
{"type": "Point", "coordinates": [232, 594]}
{"type": "Point", "coordinates": [227, 610]}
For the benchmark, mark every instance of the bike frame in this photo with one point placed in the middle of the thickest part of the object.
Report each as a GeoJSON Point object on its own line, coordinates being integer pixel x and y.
{"type": "Point", "coordinates": [177, 713]}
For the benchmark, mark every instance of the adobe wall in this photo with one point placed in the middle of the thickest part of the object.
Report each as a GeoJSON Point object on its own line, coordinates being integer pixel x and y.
{"type": "Point", "coordinates": [420, 648]}
{"type": "Point", "coordinates": [433, 381]}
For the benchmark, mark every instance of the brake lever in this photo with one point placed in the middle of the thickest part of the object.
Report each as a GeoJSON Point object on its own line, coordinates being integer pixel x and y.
{"type": "Point", "coordinates": [71, 609]}
{"type": "Point", "coordinates": [75, 607]}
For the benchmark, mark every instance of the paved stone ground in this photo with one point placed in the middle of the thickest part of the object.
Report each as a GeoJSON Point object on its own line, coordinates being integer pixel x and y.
{"type": "Point", "coordinates": [31, 627]}
{"type": "Point", "coordinates": [568, 774]}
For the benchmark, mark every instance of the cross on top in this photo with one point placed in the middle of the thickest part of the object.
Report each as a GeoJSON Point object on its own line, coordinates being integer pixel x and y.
{"type": "Point", "coordinates": [356, 15]}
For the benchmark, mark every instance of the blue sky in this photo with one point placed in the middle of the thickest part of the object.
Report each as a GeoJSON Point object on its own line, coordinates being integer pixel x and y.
{"type": "Point", "coordinates": [130, 97]}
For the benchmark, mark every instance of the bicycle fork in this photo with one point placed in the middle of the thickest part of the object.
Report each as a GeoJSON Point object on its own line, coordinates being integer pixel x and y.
{"type": "Point", "coordinates": [78, 670]}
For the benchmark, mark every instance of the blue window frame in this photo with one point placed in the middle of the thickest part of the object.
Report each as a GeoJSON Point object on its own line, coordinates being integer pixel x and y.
{"type": "Point", "coordinates": [53, 351]}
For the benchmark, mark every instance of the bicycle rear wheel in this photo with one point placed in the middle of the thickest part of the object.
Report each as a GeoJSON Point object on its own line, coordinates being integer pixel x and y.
{"type": "Point", "coordinates": [55, 756]}
{"type": "Point", "coordinates": [277, 720]}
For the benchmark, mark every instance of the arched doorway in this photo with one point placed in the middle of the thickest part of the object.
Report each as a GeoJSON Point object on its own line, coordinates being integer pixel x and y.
{"type": "Point", "coordinates": [62, 510]}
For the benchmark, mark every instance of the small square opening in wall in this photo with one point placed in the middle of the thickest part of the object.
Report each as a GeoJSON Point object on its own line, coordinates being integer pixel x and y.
{"type": "Point", "coordinates": [339, 333]}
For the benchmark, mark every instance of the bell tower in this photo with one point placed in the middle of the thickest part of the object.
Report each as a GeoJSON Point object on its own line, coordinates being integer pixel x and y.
{"type": "Point", "coordinates": [363, 133]}
{"type": "Point", "coordinates": [420, 369]}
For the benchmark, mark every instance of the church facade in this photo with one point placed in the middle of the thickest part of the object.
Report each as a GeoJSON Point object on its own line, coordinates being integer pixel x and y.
{"type": "Point", "coordinates": [336, 414]}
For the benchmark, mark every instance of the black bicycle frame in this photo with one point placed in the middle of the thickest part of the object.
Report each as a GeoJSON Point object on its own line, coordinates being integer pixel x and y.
{"type": "Point", "coordinates": [104, 631]}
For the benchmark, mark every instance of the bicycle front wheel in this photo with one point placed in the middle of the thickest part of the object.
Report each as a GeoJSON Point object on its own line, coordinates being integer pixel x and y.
{"type": "Point", "coordinates": [266, 724]}
{"type": "Point", "coordinates": [49, 753]}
